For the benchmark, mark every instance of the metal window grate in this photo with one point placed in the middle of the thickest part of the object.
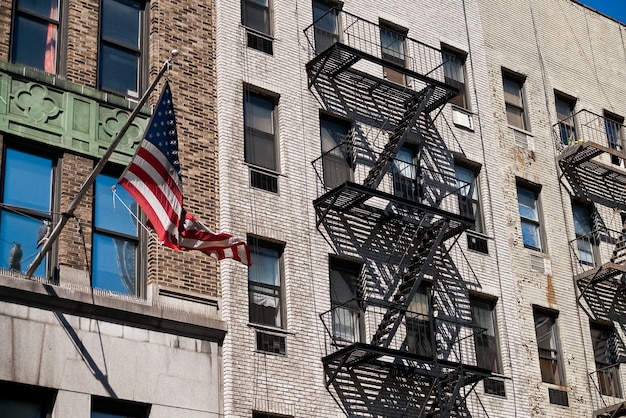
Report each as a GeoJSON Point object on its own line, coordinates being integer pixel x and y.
{"type": "Point", "coordinates": [260, 43]}
{"type": "Point", "coordinates": [558, 397]}
{"type": "Point", "coordinates": [265, 181]}
{"type": "Point", "coordinates": [270, 343]}
{"type": "Point", "coordinates": [494, 387]}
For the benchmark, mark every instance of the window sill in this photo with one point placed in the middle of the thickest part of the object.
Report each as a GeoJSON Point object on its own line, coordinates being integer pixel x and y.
{"type": "Point", "coordinates": [268, 328]}
{"type": "Point", "coordinates": [520, 130]}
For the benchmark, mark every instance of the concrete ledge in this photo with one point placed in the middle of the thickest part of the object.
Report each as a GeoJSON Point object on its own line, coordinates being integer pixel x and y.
{"type": "Point", "coordinates": [124, 312]}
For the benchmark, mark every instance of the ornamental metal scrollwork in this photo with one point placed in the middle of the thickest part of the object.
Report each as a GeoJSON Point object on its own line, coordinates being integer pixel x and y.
{"type": "Point", "coordinates": [35, 101]}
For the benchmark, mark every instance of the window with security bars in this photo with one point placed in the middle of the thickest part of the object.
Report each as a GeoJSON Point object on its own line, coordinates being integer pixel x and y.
{"type": "Point", "coordinates": [565, 117]}
{"type": "Point", "coordinates": [265, 281]}
{"type": "Point", "coordinates": [550, 357]}
{"type": "Point", "coordinates": [606, 351]}
{"type": "Point", "coordinates": [36, 34]}
{"type": "Point", "coordinates": [122, 46]}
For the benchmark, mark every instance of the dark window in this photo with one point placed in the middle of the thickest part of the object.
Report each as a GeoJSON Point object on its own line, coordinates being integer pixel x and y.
{"type": "Point", "coordinates": [26, 215]}
{"type": "Point", "coordinates": [404, 171]}
{"type": "Point", "coordinates": [514, 100]}
{"type": "Point", "coordinates": [584, 233]}
{"type": "Point", "coordinates": [115, 408]}
{"type": "Point", "coordinates": [270, 343]}
{"type": "Point", "coordinates": [337, 151]}
{"type": "Point", "coordinates": [485, 334]}
{"type": "Point", "coordinates": [25, 401]}
{"type": "Point", "coordinates": [115, 238]}
{"type": "Point", "coordinates": [467, 189]}
{"type": "Point", "coordinates": [392, 50]}
{"type": "Point", "coordinates": [566, 120]}
{"type": "Point", "coordinates": [528, 205]}
{"type": "Point", "coordinates": [419, 335]}
{"type": "Point", "coordinates": [255, 15]}
{"type": "Point", "coordinates": [265, 278]}
{"type": "Point", "coordinates": [614, 127]}
{"type": "Point", "coordinates": [550, 360]}
{"type": "Point", "coordinates": [260, 135]}
{"type": "Point", "coordinates": [257, 414]}
{"type": "Point", "coordinates": [454, 74]}
{"type": "Point", "coordinates": [36, 34]}
{"type": "Point", "coordinates": [606, 346]}
{"type": "Point", "coordinates": [346, 308]}
{"type": "Point", "coordinates": [326, 25]}
{"type": "Point", "coordinates": [122, 46]}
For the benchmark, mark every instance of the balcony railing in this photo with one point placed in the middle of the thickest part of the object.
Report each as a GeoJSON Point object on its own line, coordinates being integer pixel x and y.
{"type": "Point", "coordinates": [585, 126]}
{"type": "Point", "coordinates": [414, 336]}
{"type": "Point", "coordinates": [340, 27]}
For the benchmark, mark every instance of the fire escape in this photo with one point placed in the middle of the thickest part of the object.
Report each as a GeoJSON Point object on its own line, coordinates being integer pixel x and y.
{"type": "Point", "coordinates": [405, 346]}
{"type": "Point", "coordinates": [592, 163]}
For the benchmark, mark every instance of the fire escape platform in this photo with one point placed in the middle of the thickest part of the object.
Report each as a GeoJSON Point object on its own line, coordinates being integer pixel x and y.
{"type": "Point", "coordinates": [600, 274]}
{"type": "Point", "coordinates": [602, 289]}
{"type": "Point", "coordinates": [613, 411]}
{"type": "Point", "coordinates": [337, 61]}
{"type": "Point", "coordinates": [602, 183]}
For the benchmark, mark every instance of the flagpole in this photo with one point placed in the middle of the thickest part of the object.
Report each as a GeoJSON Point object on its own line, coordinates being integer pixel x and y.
{"type": "Point", "coordinates": [65, 216]}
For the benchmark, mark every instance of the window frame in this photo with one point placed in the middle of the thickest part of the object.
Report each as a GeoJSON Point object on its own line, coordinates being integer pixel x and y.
{"type": "Point", "coordinates": [419, 324]}
{"type": "Point", "coordinates": [585, 239]}
{"type": "Point", "coordinates": [45, 153]}
{"type": "Point", "coordinates": [490, 304]}
{"type": "Point", "coordinates": [607, 370]}
{"type": "Point", "coordinates": [538, 224]}
{"type": "Point", "coordinates": [336, 155]}
{"type": "Point", "coordinates": [44, 397]}
{"type": "Point", "coordinates": [142, 51]}
{"type": "Point", "coordinates": [475, 199]}
{"type": "Point", "coordinates": [346, 270]}
{"type": "Point", "coordinates": [259, 39]}
{"type": "Point", "coordinates": [389, 73]}
{"type": "Point", "coordinates": [256, 244]}
{"type": "Point", "coordinates": [61, 35]}
{"type": "Point", "coordinates": [615, 137]}
{"type": "Point", "coordinates": [554, 355]}
{"type": "Point", "coordinates": [520, 107]}
{"type": "Point", "coordinates": [566, 121]}
{"type": "Point", "coordinates": [323, 37]}
{"type": "Point", "coordinates": [139, 239]}
{"type": "Point", "coordinates": [459, 58]}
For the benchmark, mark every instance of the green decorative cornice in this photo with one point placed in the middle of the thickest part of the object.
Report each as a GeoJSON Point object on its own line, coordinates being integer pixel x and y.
{"type": "Point", "coordinates": [47, 109]}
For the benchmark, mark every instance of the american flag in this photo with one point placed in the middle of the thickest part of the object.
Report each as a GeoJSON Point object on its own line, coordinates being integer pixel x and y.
{"type": "Point", "coordinates": [153, 179]}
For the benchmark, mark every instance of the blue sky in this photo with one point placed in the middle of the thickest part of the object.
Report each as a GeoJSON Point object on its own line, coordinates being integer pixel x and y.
{"type": "Point", "coordinates": [613, 8]}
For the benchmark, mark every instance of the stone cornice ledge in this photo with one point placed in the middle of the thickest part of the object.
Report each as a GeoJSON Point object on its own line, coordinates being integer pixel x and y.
{"type": "Point", "coordinates": [123, 312]}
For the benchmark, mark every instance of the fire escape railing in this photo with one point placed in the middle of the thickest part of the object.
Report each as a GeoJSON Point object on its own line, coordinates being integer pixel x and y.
{"type": "Point", "coordinates": [589, 127]}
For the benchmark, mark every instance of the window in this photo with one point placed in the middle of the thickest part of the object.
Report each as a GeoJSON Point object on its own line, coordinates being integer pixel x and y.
{"type": "Point", "coordinates": [418, 333]}
{"type": "Point", "coordinates": [115, 408]}
{"type": "Point", "coordinates": [613, 125]}
{"type": "Point", "coordinates": [584, 233]}
{"type": "Point", "coordinates": [115, 238]}
{"type": "Point", "coordinates": [265, 294]}
{"type": "Point", "coordinates": [566, 120]}
{"type": "Point", "coordinates": [26, 214]}
{"type": "Point", "coordinates": [550, 360]}
{"type": "Point", "coordinates": [514, 100]}
{"type": "Point", "coordinates": [24, 401]}
{"type": "Point", "coordinates": [260, 140]}
{"type": "Point", "coordinates": [454, 75]}
{"type": "Point", "coordinates": [346, 308]}
{"type": "Point", "coordinates": [326, 25]}
{"type": "Point", "coordinates": [485, 336]}
{"type": "Point", "coordinates": [392, 51]}
{"type": "Point", "coordinates": [255, 15]}
{"type": "Point", "coordinates": [528, 205]}
{"type": "Point", "coordinates": [404, 171]}
{"type": "Point", "coordinates": [606, 344]}
{"type": "Point", "coordinates": [337, 164]}
{"type": "Point", "coordinates": [122, 45]}
{"type": "Point", "coordinates": [467, 189]}
{"type": "Point", "coordinates": [257, 414]}
{"type": "Point", "coordinates": [36, 34]}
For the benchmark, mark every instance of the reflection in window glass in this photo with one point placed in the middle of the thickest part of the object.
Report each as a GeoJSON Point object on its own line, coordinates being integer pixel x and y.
{"type": "Point", "coordinates": [35, 35]}
{"type": "Point", "coordinates": [115, 239]}
{"type": "Point", "coordinates": [264, 285]}
{"type": "Point", "coordinates": [27, 185]}
{"type": "Point", "coordinates": [529, 215]}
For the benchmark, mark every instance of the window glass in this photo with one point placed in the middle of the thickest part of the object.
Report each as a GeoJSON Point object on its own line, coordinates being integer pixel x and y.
{"type": "Point", "coordinates": [605, 343]}
{"type": "Point", "coordinates": [566, 120]}
{"type": "Point", "coordinates": [613, 126]}
{"type": "Point", "coordinates": [115, 238]}
{"type": "Point", "coordinates": [346, 315]}
{"type": "Point", "coordinates": [514, 102]}
{"type": "Point", "coordinates": [467, 188]}
{"type": "Point", "coordinates": [392, 44]}
{"type": "Point", "coordinates": [264, 285]}
{"type": "Point", "coordinates": [485, 337]}
{"type": "Point", "coordinates": [454, 75]}
{"type": "Point", "coordinates": [529, 214]}
{"type": "Point", "coordinates": [336, 161]}
{"type": "Point", "coordinates": [404, 171]}
{"type": "Point", "coordinates": [256, 15]}
{"type": "Point", "coordinates": [27, 185]}
{"type": "Point", "coordinates": [325, 21]}
{"type": "Point", "coordinates": [583, 229]}
{"type": "Point", "coordinates": [418, 332]}
{"type": "Point", "coordinates": [120, 46]}
{"type": "Point", "coordinates": [547, 344]}
{"type": "Point", "coordinates": [35, 36]}
{"type": "Point", "coordinates": [260, 140]}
